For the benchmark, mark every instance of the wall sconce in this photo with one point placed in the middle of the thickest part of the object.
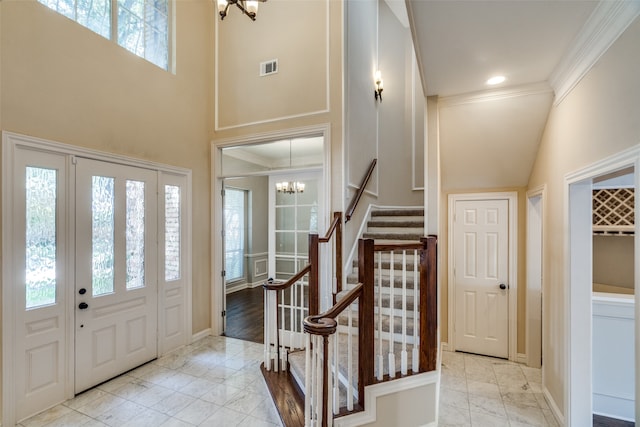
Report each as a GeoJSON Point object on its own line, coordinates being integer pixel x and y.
{"type": "Point", "coordinates": [377, 93]}
{"type": "Point", "coordinates": [290, 187]}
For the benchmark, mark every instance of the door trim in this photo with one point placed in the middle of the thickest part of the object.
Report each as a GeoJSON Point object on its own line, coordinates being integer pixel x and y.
{"type": "Point", "coordinates": [577, 297]}
{"type": "Point", "coordinates": [536, 201]}
{"type": "Point", "coordinates": [512, 199]}
{"type": "Point", "coordinates": [12, 141]}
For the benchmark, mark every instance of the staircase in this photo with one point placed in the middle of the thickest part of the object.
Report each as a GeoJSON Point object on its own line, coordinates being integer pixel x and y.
{"type": "Point", "coordinates": [372, 335]}
{"type": "Point", "coordinates": [395, 225]}
{"type": "Point", "coordinates": [385, 226]}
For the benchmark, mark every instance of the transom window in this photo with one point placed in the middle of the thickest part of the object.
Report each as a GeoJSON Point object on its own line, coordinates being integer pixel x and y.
{"type": "Point", "coordinates": [140, 26]}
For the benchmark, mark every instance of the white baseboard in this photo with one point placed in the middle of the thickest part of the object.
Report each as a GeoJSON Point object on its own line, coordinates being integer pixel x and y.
{"type": "Point", "coordinates": [199, 335]}
{"type": "Point", "coordinates": [243, 286]}
{"type": "Point", "coordinates": [553, 406]}
{"type": "Point", "coordinates": [521, 358]}
{"type": "Point", "coordinates": [444, 346]}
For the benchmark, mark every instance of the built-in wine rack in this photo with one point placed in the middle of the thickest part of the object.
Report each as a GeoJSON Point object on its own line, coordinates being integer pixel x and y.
{"type": "Point", "coordinates": [613, 211]}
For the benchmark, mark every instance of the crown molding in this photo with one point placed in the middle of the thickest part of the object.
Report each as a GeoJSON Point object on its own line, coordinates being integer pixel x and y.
{"type": "Point", "coordinates": [495, 95]}
{"type": "Point", "coordinates": [606, 23]}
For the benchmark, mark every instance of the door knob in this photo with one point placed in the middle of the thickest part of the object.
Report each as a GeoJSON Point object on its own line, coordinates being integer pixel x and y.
{"type": "Point", "coordinates": [83, 306]}
{"type": "Point", "coordinates": [503, 286]}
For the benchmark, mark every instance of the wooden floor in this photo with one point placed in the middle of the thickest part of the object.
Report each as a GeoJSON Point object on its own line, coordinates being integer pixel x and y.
{"type": "Point", "coordinates": [245, 314]}
{"type": "Point", "coordinates": [287, 397]}
{"type": "Point", "coordinates": [600, 421]}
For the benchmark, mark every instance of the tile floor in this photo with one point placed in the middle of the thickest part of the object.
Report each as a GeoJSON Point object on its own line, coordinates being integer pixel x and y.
{"type": "Point", "coordinates": [214, 382]}
{"type": "Point", "coordinates": [481, 391]}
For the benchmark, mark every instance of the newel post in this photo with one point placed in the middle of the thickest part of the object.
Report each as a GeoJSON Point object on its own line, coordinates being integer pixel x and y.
{"type": "Point", "coordinates": [365, 316]}
{"type": "Point", "coordinates": [428, 304]}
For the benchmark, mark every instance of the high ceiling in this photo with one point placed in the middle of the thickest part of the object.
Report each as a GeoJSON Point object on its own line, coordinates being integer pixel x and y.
{"type": "Point", "coordinates": [489, 136]}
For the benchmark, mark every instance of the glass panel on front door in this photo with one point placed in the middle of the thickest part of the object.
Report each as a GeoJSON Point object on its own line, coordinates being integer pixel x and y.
{"type": "Point", "coordinates": [135, 234]}
{"type": "Point", "coordinates": [102, 208]}
{"type": "Point", "coordinates": [41, 190]}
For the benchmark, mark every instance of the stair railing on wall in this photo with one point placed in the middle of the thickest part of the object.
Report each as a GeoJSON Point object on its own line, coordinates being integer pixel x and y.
{"type": "Point", "coordinates": [356, 198]}
{"type": "Point", "coordinates": [286, 304]}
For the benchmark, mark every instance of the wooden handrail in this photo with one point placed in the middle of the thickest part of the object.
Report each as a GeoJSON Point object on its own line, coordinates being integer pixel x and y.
{"type": "Point", "coordinates": [337, 216]}
{"type": "Point", "coordinates": [272, 286]}
{"type": "Point", "coordinates": [358, 195]}
{"type": "Point", "coordinates": [321, 324]}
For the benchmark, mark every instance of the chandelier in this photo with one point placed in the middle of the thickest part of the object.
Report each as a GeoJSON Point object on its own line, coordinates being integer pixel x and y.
{"type": "Point", "coordinates": [248, 7]}
{"type": "Point", "coordinates": [290, 187]}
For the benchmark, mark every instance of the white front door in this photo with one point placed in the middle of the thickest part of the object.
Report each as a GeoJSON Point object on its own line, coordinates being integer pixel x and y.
{"type": "Point", "coordinates": [481, 245]}
{"type": "Point", "coordinates": [116, 313]}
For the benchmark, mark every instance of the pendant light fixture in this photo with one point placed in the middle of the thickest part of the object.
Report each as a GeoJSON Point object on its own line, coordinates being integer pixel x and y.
{"type": "Point", "coordinates": [248, 7]}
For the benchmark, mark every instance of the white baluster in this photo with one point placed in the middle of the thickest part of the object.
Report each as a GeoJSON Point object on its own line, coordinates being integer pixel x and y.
{"type": "Point", "coordinates": [267, 329]}
{"type": "Point", "coordinates": [332, 362]}
{"type": "Point", "coordinates": [308, 382]}
{"type": "Point", "coordinates": [403, 359]}
{"type": "Point", "coordinates": [380, 356]}
{"type": "Point", "coordinates": [416, 321]}
{"type": "Point", "coordinates": [314, 380]}
{"type": "Point", "coordinates": [319, 369]}
{"type": "Point", "coordinates": [392, 358]}
{"type": "Point", "coordinates": [335, 390]}
{"type": "Point", "coordinates": [350, 360]}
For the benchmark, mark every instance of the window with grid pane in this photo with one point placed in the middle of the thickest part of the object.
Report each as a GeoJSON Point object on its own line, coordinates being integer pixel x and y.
{"type": "Point", "coordinates": [234, 233]}
{"type": "Point", "coordinates": [140, 26]}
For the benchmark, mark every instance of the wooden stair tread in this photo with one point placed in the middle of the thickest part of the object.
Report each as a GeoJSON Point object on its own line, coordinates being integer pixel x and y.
{"type": "Point", "coordinates": [286, 395]}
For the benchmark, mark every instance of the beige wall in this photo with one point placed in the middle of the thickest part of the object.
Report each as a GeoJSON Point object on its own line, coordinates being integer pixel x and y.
{"type": "Point", "coordinates": [62, 82]}
{"type": "Point", "coordinates": [414, 407]}
{"type": "Point", "coordinates": [597, 119]}
{"type": "Point", "coordinates": [307, 91]}
{"type": "Point", "coordinates": [613, 260]}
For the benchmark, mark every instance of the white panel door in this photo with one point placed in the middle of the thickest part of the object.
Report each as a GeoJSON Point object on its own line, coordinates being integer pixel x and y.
{"type": "Point", "coordinates": [481, 245]}
{"type": "Point", "coordinates": [39, 282]}
{"type": "Point", "coordinates": [116, 268]}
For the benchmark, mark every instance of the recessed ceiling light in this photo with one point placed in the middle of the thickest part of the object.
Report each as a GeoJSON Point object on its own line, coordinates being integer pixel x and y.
{"type": "Point", "coordinates": [495, 80]}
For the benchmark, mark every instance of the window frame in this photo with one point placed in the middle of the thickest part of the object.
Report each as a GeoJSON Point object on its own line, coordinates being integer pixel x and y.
{"type": "Point", "coordinates": [245, 221]}
{"type": "Point", "coordinates": [113, 33]}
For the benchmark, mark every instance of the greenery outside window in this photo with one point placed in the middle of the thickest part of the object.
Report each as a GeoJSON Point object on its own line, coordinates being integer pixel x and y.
{"type": "Point", "coordinates": [234, 233]}
{"type": "Point", "coordinates": [140, 26]}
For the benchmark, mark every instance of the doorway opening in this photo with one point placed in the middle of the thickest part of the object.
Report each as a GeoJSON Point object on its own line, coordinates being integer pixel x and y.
{"type": "Point", "coordinates": [273, 196]}
{"type": "Point", "coordinates": [534, 300]}
{"type": "Point", "coordinates": [587, 331]}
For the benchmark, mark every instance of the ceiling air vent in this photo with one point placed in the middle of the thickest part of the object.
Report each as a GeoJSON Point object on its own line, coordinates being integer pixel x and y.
{"type": "Point", "coordinates": [268, 67]}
